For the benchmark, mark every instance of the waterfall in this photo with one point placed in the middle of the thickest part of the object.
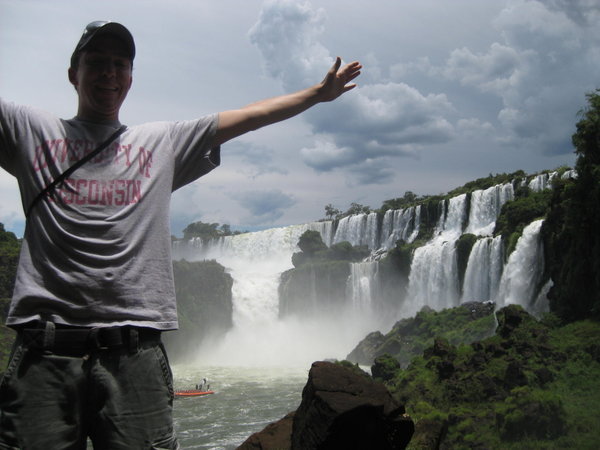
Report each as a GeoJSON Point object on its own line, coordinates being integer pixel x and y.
{"type": "Point", "coordinates": [523, 270]}
{"type": "Point", "coordinates": [400, 224]}
{"type": "Point", "coordinates": [257, 260]}
{"type": "Point", "coordinates": [484, 269]}
{"type": "Point", "coordinates": [485, 208]}
{"type": "Point", "coordinates": [542, 181]}
{"type": "Point", "coordinates": [450, 226]}
{"type": "Point", "coordinates": [259, 337]}
{"type": "Point", "coordinates": [362, 285]}
{"type": "Point", "coordinates": [371, 233]}
{"type": "Point", "coordinates": [351, 229]}
{"type": "Point", "coordinates": [433, 279]}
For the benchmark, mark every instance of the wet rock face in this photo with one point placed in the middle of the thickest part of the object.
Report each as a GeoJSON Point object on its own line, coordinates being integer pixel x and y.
{"type": "Point", "coordinates": [367, 349]}
{"type": "Point", "coordinates": [275, 435]}
{"type": "Point", "coordinates": [340, 408]}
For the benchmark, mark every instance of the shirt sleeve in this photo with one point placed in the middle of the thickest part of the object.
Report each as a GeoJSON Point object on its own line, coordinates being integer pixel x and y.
{"type": "Point", "coordinates": [9, 117]}
{"type": "Point", "coordinates": [193, 148]}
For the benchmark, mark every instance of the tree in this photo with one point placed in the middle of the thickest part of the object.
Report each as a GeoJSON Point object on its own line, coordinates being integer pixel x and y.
{"type": "Point", "coordinates": [331, 212]}
{"type": "Point", "coordinates": [205, 231]}
{"type": "Point", "coordinates": [357, 208]}
{"type": "Point", "coordinates": [571, 228]}
{"type": "Point", "coordinates": [225, 229]}
{"type": "Point", "coordinates": [311, 242]}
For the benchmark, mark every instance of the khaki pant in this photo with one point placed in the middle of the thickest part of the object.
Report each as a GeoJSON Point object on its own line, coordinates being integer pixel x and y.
{"type": "Point", "coordinates": [120, 398]}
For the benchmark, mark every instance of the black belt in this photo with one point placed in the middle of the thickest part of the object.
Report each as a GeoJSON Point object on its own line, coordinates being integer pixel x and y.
{"type": "Point", "coordinates": [79, 341]}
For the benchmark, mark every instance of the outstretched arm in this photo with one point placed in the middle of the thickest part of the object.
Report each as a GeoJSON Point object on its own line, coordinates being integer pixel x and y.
{"type": "Point", "coordinates": [236, 122]}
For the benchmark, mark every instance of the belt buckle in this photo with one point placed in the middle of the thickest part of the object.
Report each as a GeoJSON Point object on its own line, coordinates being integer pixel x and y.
{"type": "Point", "coordinates": [94, 339]}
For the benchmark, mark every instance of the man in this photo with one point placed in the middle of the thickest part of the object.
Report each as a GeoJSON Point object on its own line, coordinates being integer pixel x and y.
{"type": "Point", "coordinates": [94, 287]}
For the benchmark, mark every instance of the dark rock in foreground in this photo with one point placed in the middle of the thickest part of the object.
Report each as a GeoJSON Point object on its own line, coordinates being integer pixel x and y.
{"type": "Point", "coordinates": [340, 408]}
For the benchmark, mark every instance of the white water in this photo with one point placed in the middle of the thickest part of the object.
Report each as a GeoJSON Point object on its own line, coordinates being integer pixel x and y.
{"type": "Point", "coordinates": [484, 269]}
{"type": "Point", "coordinates": [524, 269]}
{"type": "Point", "coordinates": [363, 286]}
{"type": "Point", "coordinates": [485, 208]}
{"type": "Point", "coordinates": [261, 338]}
{"type": "Point", "coordinates": [246, 399]}
{"type": "Point", "coordinates": [433, 279]}
{"type": "Point", "coordinates": [259, 368]}
{"type": "Point", "coordinates": [400, 224]}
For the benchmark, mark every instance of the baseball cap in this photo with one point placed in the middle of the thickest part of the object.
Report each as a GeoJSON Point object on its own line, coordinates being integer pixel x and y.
{"type": "Point", "coordinates": [102, 27]}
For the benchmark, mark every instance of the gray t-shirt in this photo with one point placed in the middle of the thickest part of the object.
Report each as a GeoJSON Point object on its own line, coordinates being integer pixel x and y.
{"type": "Point", "coordinates": [98, 253]}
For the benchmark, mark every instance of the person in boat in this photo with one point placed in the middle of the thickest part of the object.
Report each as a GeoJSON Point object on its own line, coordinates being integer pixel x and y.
{"type": "Point", "coordinates": [94, 287]}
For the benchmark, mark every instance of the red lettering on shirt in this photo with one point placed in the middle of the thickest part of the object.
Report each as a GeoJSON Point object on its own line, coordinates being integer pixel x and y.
{"type": "Point", "coordinates": [99, 192]}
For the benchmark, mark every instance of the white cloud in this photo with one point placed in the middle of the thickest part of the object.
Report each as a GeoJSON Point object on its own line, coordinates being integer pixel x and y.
{"type": "Point", "coordinates": [256, 160]}
{"type": "Point", "coordinates": [372, 171]}
{"type": "Point", "coordinates": [264, 206]}
{"type": "Point", "coordinates": [497, 84]}
{"type": "Point", "coordinates": [474, 128]}
{"type": "Point", "coordinates": [494, 71]}
{"type": "Point", "coordinates": [374, 121]}
{"type": "Point", "coordinates": [287, 34]}
{"type": "Point", "coordinates": [325, 155]}
{"type": "Point", "coordinates": [540, 68]}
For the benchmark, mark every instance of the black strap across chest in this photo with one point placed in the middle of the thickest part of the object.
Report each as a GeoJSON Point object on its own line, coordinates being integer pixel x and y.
{"type": "Point", "coordinates": [50, 187]}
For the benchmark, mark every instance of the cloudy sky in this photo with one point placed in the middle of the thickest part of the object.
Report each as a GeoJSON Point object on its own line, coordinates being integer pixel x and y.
{"type": "Point", "coordinates": [451, 91]}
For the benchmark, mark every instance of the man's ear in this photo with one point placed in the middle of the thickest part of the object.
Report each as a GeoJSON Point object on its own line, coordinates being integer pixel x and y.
{"type": "Point", "coordinates": [73, 76]}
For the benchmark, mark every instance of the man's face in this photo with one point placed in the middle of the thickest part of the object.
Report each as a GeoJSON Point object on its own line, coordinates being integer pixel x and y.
{"type": "Point", "coordinates": [102, 79]}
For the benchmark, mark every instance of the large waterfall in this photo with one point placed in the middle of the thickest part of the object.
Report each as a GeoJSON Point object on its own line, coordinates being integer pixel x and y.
{"type": "Point", "coordinates": [260, 336]}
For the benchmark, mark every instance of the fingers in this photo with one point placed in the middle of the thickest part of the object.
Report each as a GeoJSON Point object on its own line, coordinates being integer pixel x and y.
{"type": "Point", "coordinates": [338, 81]}
{"type": "Point", "coordinates": [349, 72]}
{"type": "Point", "coordinates": [352, 69]}
{"type": "Point", "coordinates": [336, 64]}
{"type": "Point", "coordinates": [349, 86]}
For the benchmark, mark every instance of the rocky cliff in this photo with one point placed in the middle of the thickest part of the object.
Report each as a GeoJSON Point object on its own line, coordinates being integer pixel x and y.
{"type": "Point", "coordinates": [342, 407]}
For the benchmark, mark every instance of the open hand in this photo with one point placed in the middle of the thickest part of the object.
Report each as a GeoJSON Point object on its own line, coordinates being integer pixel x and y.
{"type": "Point", "coordinates": [337, 81]}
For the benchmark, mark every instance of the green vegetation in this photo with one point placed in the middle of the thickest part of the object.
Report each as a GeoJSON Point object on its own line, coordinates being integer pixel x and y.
{"type": "Point", "coordinates": [409, 199]}
{"type": "Point", "coordinates": [572, 241]}
{"type": "Point", "coordinates": [332, 213]}
{"type": "Point", "coordinates": [317, 269]}
{"type": "Point", "coordinates": [10, 247]}
{"type": "Point", "coordinates": [487, 182]}
{"type": "Point", "coordinates": [9, 256]}
{"type": "Point", "coordinates": [207, 231]}
{"type": "Point", "coordinates": [409, 337]}
{"type": "Point", "coordinates": [531, 385]}
{"type": "Point", "coordinates": [400, 257]}
{"type": "Point", "coordinates": [464, 245]}
{"type": "Point", "coordinates": [314, 250]}
{"type": "Point", "coordinates": [517, 214]}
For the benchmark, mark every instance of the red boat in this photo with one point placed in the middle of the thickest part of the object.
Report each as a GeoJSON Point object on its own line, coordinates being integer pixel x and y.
{"type": "Point", "coordinates": [192, 393]}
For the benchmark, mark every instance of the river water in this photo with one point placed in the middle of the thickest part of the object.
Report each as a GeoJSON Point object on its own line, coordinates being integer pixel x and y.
{"type": "Point", "coordinates": [246, 399]}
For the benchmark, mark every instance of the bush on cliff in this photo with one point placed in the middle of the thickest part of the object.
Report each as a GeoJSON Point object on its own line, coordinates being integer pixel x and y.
{"type": "Point", "coordinates": [317, 284]}
{"type": "Point", "coordinates": [531, 385]}
{"type": "Point", "coordinates": [314, 250]}
{"type": "Point", "coordinates": [517, 214]}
